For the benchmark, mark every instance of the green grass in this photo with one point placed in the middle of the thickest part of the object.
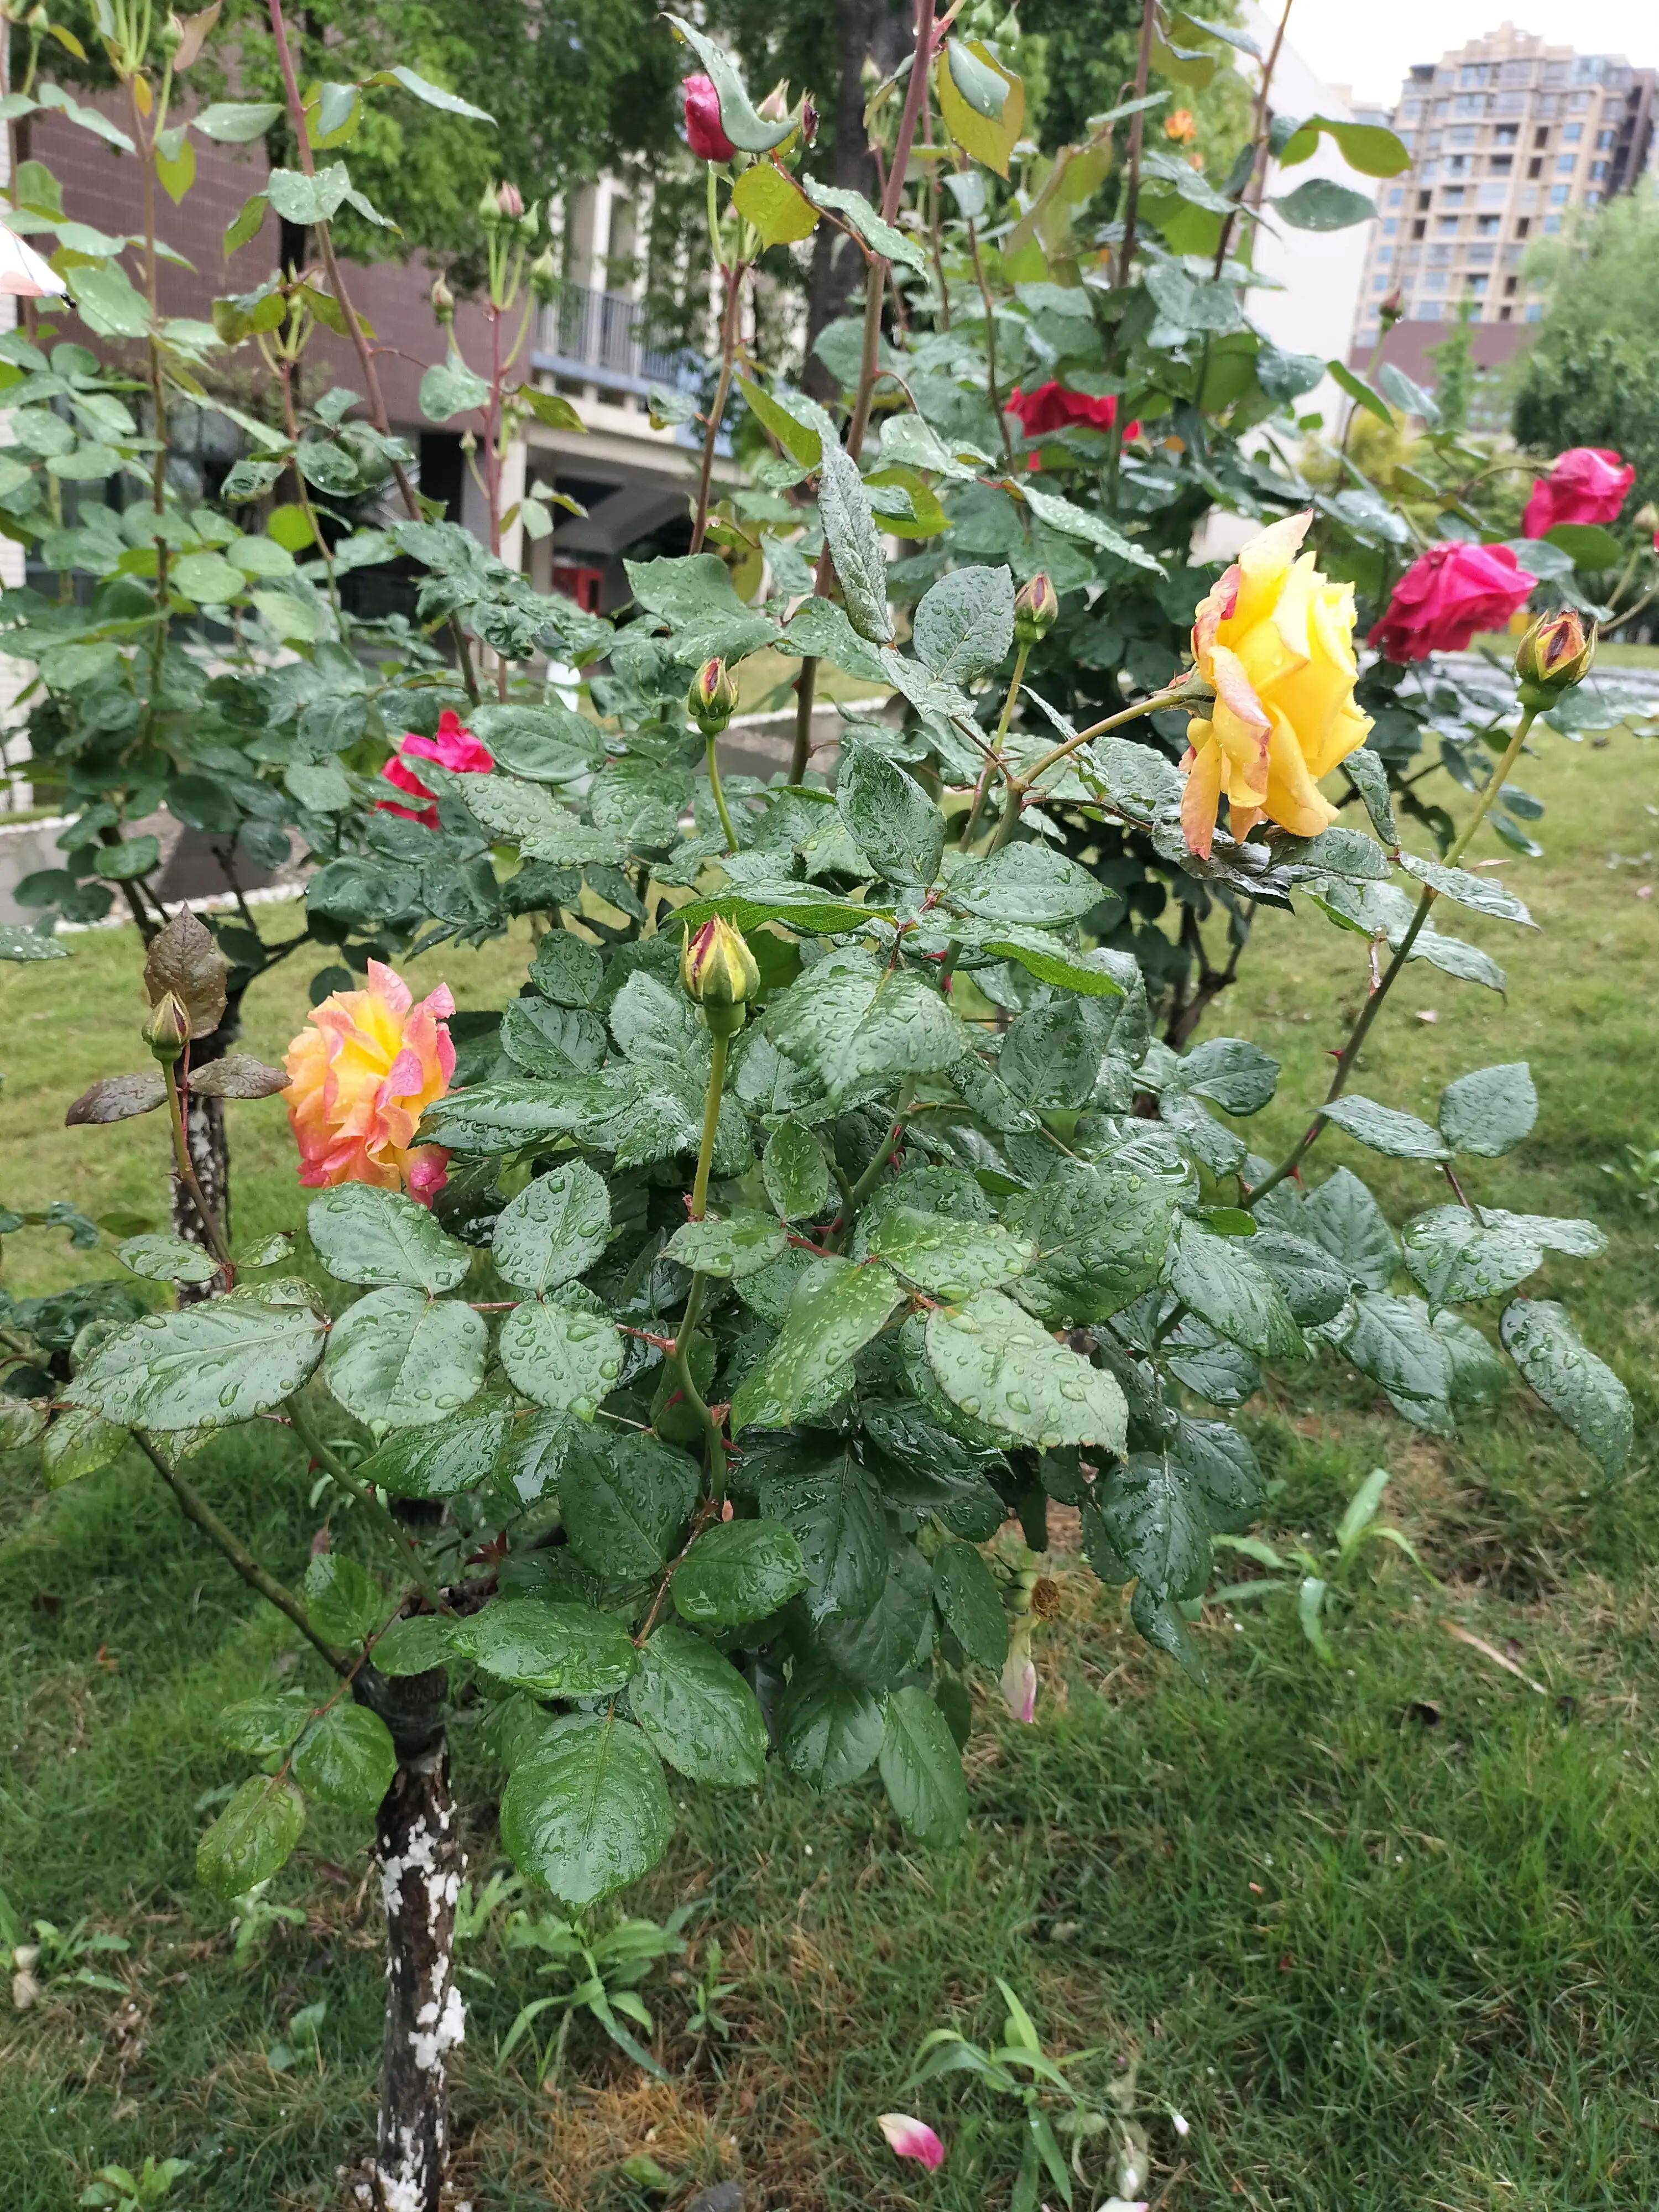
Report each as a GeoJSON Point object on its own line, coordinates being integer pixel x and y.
{"type": "Point", "coordinates": [1384, 1932]}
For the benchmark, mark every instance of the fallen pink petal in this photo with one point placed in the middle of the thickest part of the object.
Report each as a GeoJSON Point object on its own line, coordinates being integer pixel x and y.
{"type": "Point", "coordinates": [912, 2138]}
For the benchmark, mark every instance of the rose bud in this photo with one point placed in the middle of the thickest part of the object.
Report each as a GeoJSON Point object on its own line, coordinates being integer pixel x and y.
{"type": "Point", "coordinates": [1555, 653]}
{"type": "Point", "coordinates": [775, 106]}
{"type": "Point", "coordinates": [543, 275]}
{"type": "Point", "coordinates": [808, 120]}
{"type": "Point", "coordinates": [712, 698]}
{"type": "Point", "coordinates": [443, 303]}
{"type": "Point", "coordinates": [719, 971]}
{"type": "Point", "coordinates": [509, 201]}
{"type": "Point", "coordinates": [167, 1031]}
{"type": "Point", "coordinates": [1391, 308]}
{"type": "Point", "coordinates": [1034, 611]}
{"type": "Point", "coordinates": [704, 134]}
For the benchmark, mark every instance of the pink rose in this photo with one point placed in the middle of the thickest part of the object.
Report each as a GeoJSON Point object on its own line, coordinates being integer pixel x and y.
{"type": "Point", "coordinates": [703, 134]}
{"type": "Point", "coordinates": [1448, 593]}
{"type": "Point", "coordinates": [1587, 484]}
{"type": "Point", "coordinates": [453, 747]}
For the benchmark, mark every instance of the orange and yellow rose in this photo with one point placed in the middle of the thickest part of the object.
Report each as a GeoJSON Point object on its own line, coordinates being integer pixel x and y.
{"type": "Point", "coordinates": [361, 1073]}
{"type": "Point", "coordinates": [1275, 639]}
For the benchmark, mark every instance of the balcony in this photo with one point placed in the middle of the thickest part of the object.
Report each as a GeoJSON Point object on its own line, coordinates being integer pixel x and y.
{"type": "Point", "coordinates": [601, 338]}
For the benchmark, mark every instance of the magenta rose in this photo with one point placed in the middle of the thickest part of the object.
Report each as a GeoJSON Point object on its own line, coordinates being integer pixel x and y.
{"type": "Point", "coordinates": [703, 134]}
{"type": "Point", "coordinates": [453, 747]}
{"type": "Point", "coordinates": [1448, 593]}
{"type": "Point", "coordinates": [1587, 484]}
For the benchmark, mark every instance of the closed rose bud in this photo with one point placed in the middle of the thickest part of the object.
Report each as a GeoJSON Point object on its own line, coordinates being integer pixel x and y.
{"type": "Point", "coordinates": [489, 213]}
{"type": "Point", "coordinates": [509, 201]}
{"type": "Point", "coordinates": [1034, 611]}
{"type": "Point", "coordinates": [704, 133]}
{"type": "Point", "coordinates": [775, 106]}
{"type": "Point", "coordinates": [543, 275]}
{"type": "Point", "coordinates": [443, 303]}
{"type": "Point", "coordinates": [712, 698]}
{"type": "Point", "coordinates": [718, 971]}
{"type": "Point", "coordinates": [1555, 653]}
{"type": "Point", "coordinates": [169, 37]}
{"type": "Point", "coordinates": [1391, 308]}
{"type": "Point", "coordinates": [808, 120]}
{"type": "Point", "coordinates": [167, 1031]}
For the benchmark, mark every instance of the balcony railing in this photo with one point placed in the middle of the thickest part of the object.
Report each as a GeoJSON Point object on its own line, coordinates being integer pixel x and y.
{"type": "Point", "coordinates": [604, 338]}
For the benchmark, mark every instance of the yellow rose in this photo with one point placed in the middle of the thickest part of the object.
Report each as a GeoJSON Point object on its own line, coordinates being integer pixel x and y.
{"type": "Point", "coordinates": [362, 1072]}
{"type": "Point", "coordinates": [1275, 639]}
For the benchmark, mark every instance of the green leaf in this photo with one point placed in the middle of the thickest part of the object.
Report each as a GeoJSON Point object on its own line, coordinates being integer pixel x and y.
{"type": "Point", "coordinates": [1393, 1341]}
{"type": "Point", "coordinates": [399, 1358]}
{"type": "Point", "coordinates": [1357, 390]}
{"type": "Point", "coordinates": [921, 1769]}
{"type": "Point", "coordinates": [1386, 1129]}
{"type": "Point", "coordinates": [507, 1117]}
{"type": "Point", "coordinates": [237, 122]}
{"type": "Point", "coordinates": [994, 1362]}
{"type": "Point", "coordinates": [831, 1729]}
{"type": "Point", "coordinates": [414, 1646]}
{"type": "Point", "coordinates": [1582, 1389]}
{"type": "Point", "coordinates": [554, 1650]}
{"type": "Point", "coordinates": [769, 198]}
{"type": "Point", "coordinates": [1410, 399]}
{"type": "Point", "coordinates": [849, 527]}
{"type": "Point", "coordinates": [365, 1234]}
{"type": "Point", "coordinates": [17, 944]}
{"type": "Point", "coordinates": [587, 1811]}
{"type": "Point", "coordinates": [1342, 1215]}
{"type": "Point", "coordinates": [206, 578]}
{"type": "Point", "coordinates": [433, 95]}
{"type": "Point", "coordinates": [877, 235]}
{"type": "Point", "coordinates": [1057, 513]}
{"type": "Point", "coordinates": [168, 1259]}
{"type": "Point", "coordinates": [1101, 1235]}
{"type": "Point", "coordinates": [1316, 1288]}
{"type": "Point", "coordinates": [561, 1356]}
{"type": "Point", "coordinates": [345, 1602]}
{"type": "Point", "coordinates": [223, 1361]}
{"type": "Point", "coordinates": [1590, 546]}
{"type": "Point", "coordinates": [698, 1710]}
{"type": "Point", "coordinates": [1370, 777]}
{"type": "Point", "coordinates": [624, 1499]}
{"type": "Point", "coordinates": [890, 817]}
{"type": "Point", "coordinates": [547, 1040]}
{"type": "Point", "coordinates": [1490, 1111]}
{"type": "Point", "coordinates": [554, 1229]}
{"type": "Point", "coordinates": [850, 1019]}
{"type": "Point", "coordinates": [1367, 147]}
{"type": "Point", "coordinates": [966, 1594]}
{"type": "Point", "coordinates": [965, 623]}
{"type": "Point", "coordinates": [567, 971]}
{"type": "Point", "coordinates": [1216, 1277]}
{"type": "Point", "coordinates": [347, 1758]}
{"type": "Point", "coordinates": [1320, 204]}
{"type": "Point", "coordinates": [253, 1837]}
{"type": "Point", "coordinates": [1028, 884]}
{"type": "Point", "coordinates": [795, 1172]}
{"type": "Point", "coordinates": [1154, 1518]}
{"type": "Point", "coordinates": [731, 1249]}
{"type": "Point", "coordinates": [1481, 894]}
{"type": "Point", "coordinates": [836, 1310]}
{"type": "Point", "coordinates": [1455, 1257]}
{"type": "Point", "coordinates": [1237, 1075]}
{"type": "Point", "coordinates": [741, 124]}
{"type": "Point", "coordinates": [796, 906]}
{"type": "Point", "coordinates": [736, 1571]}
{"type": "Point", "coordinates": [451, 388]}
{"type": "Point", "coordinates": [830, 1504]}
{"type": "Point", "coordinates": [954, 1260]}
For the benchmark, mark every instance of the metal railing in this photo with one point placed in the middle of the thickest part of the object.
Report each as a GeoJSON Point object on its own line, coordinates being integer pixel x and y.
{"type": "Point", "coordinates": [606, 335]}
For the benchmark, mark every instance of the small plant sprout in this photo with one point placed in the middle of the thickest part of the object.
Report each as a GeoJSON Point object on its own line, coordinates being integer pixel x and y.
{"type": "Point", "coordinates": [121, 2189]}
{"type": "Point", "coordinates": [304, 2044]}
{"type": "Point", "coordinates": [604, 1971]}
{"type": "Point", "coordinates": [1318, 1581]}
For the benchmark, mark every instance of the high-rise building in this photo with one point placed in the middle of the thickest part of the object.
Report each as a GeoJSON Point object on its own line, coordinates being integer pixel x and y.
{"type": "Point", "coordinates": [1506, 134]}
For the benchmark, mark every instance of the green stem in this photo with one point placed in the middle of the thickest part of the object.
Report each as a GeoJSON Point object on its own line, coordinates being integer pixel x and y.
{"type": "Point", "coordinates": [879, 1159]}
{"type": "Point", "coordinates": [186, 1173]}
{"type": "Point", "coordinates": [339, 1472]}
{"type": "Point", "coordinates": [1347, 1057]}
{"type": "Point", "coordinates": [719, 790]}
{"type": "Point", "coordinates": [195, 1508]}
{"type": "Point", "coordinates": [1173, 694]}
{"type": "Point", "coordinates": [711, 1119]}
{"type": "Point", "coordinates": [680, 1361]}
{"type": "Point", "coordinates": [717, 405]}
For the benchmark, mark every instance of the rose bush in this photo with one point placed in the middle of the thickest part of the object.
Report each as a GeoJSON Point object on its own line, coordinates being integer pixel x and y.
{"type": "Point", "coordinates": [688, 1329]}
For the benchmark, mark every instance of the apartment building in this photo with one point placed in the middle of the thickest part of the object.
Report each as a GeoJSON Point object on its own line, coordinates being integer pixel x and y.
{"type": "Point", "coordinates": [1507, 134]}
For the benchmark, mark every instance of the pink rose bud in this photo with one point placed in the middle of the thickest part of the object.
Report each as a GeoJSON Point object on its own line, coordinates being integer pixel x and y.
{"type": "Point", "coordinates": [912, 2139]}
{"type": "Point", "coordinates": [1587, 484]}
{"type": "Point", "coordinates": [509, 201]}
{"type": "Point", "coordinates": [809, 121]}
{"type": "Point", "coordinates": [1036, 606]}
{"type": "Point", "coordinates": [1449, 592]}
{"type": "Point", "coordinates": [703, 131]}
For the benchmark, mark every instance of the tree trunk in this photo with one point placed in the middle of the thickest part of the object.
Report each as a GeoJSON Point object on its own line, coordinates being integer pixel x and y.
{"type": "Point", "coordinates": [882, 30]}
{"type": "Point", "coordinates": [417, 1851]}
{"type": "Point", "coordinates": [208, 1142]}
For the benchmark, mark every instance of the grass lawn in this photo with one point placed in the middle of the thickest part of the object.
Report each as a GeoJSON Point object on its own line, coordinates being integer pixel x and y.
{"type": "Point", "coordinates": [1384, 1932]}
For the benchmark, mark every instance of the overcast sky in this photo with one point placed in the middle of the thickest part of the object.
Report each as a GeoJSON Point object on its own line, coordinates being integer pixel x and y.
{"type": "Point", "coordinates": [1371, 46]}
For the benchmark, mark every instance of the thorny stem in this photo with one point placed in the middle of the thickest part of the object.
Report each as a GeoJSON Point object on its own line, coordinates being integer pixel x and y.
{"type": "Point", "coordinates": [1137, 138]}
{"type": "Point", "coordinates": [186, 1173]}
{"type": "Point", "coordinates": [1020, 785]}
{"type": "Point", "coordinates": [1007, 715]}
{"type": "Point", "coordinates": [1258, 132]}
{"type": "Point", "coordinates": [991, 392]}
{"type": "Point", "coordinates": [195, 1508]}
{"type": "Point", "coordinates": [337, 1471]}
{"type": "Point", "coordinates": [1347, 1057]}
{"type": "Point", "coordinates": [719, 790]}
{"type": "Point", "coordinates": [291, 422]}
{"type": "Point", "coordinates": [717, 405]}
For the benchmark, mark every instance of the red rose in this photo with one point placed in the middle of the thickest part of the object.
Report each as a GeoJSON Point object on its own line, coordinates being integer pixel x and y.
{"type": "Point", "coordinates": [1587, 484]}
{"type": "Point", "coordinates": [1448, 593]}
{"type": "Point", "coordinates": [453, 747]}
{"type": "Point", "coordinates": [703, 133]}
{"type": "Point", "coordinates": [1051, 407]}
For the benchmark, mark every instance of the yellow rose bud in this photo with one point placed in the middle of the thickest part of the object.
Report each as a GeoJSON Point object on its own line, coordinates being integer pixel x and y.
{"type": "Point", "coordinates": [443, 303]}
{"type": "Point", "coordinates": [718, 971]}
{"type": "Point", "coordinates": [1035, 609]}
{"type": "Point", "coordinates": [1555, 653]}
{"type": "Point", "coordinates": [1274, 641]}
{"type": "Point", "coordinates": [712, 698]}
{"type": "Point", "coordinates": [167, 1031]}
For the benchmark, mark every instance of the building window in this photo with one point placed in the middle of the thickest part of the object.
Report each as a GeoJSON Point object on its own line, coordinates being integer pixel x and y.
{"type": "Point", "coordinates": [1506, 134]}
{"type": "Point", "coordinates": [1603, 140]}
{"type": "Point", "coordinates": [1571, 133]}
{"type": "Point", "coordinates": [1535, 166]}
{"type": "Point", "coordinates": [1494, 194]}
{"type": "Point", "coordinates": [1487, 225]}
{"type": "Point", "coordinates": [1475, 284]}
{"type": "Point", "coordinates": [1428, 311]}
{"type": "Point", "coordinates": [1410, 109]}
{"type": "Point", "coordinates": [1379, 284]}
{"type": "Point", "coordinates": [1504, 314]}
{"type": "Point", "coordinates": [1565, 164]}
{"type": "Point", "coordinates": [1458, 165]}
{"type": "Point", "coordinates": [1536, 311]}
{"type": "Point", "coordinates": [1396, 197]}
{"type": "Point", "coordinates": [1598, 171]}
{"type": "Point", "coordinates": [1540, 137]}
{"type": "Point", "coordinates": [1435, 280]}
{"type": "Point", "coordinates": [1384, 256]}
{"type": "Point", "coordinates": [1451, 196]}
{"type": "Point", "coordinates": [1419, 228]}
{"type": "Point", "coordinates": [1446, 227]}
{"type": "Point", "coordinates": [1592, 199]}
{"type": "Point", "coordinates": [1470, 103]}
{"type": "Point", "coordinates": [1390, 225]}
{"type": "Point", "coordinates": [1501, 164]}
{"type": "Point", "coordinates": [1422, 199]}
{"type": "Point", "coordinates": [1524, 226]}
{"type": "Point", "coordinates": [1465, 135]}
{"type": "Point", "coordinates": [1559, 195]}
{"type": "Point", "coordinates": [1511, 285]}
{"type": "Point", "coordinates": [1441, 107]}
{"type": "Point", "coordinates": [1552, 225]}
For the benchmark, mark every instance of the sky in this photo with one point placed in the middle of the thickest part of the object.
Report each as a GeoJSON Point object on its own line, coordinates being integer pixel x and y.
{"type": "Point", "coordinates": [1370, 47]}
